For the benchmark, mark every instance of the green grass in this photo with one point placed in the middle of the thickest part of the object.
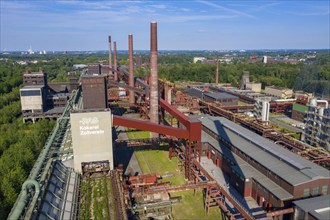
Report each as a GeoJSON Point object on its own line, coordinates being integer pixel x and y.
{"type": "Point", "coordinates": [94, 195]}
{"type": "Point", "coordinates": [136, 134]}
{"type": "Point", "coordinates": [157, 161]}
{"type": "Point", "coordinates": [192, 207]}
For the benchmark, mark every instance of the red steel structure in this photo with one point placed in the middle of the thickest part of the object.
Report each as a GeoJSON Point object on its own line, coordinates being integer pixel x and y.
{"type": "Point", "coordinates": [191, 133]}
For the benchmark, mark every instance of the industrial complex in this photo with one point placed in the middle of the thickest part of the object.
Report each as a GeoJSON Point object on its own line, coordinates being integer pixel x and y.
{"type": "Point", "coordinates": [221, 137]}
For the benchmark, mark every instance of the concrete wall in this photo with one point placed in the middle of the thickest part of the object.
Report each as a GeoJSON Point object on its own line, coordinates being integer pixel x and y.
{"type": "Point", "coordinates": [91, 137]}
{"type": "Point", "coordinates": [282, 93]}
{"type": "Point", "coordinates": [32, 102]}
{"type": "Point", "coordinates": [256, 87]}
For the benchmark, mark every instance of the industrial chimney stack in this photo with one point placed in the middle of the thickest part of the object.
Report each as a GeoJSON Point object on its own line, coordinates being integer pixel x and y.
{"type": "Point", "coordinates": [153, 74]}
{"type": "Point", "coordinates": [131, 69]}
{"type": "Point", "coordinates": [115, 61]}
{"type": "Point", "coordinates": [217, 73]}
{"type": "Point", "coordinates": [110, 53]}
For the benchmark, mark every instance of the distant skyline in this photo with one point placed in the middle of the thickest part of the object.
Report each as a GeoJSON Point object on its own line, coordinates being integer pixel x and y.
{"type": "Point", "coordinates": [53, 25]}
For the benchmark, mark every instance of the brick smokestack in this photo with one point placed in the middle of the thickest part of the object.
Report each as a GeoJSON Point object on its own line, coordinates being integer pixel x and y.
{"type": "Point", "coordinates": [131, 69]}
{"type": "Point", "coordinates": [110, 53]}
{"type": "Point", "coordinates": [153, 74]}
{"type": "Point", "coordinates": [115, 61]}
{"type": "Point", "coordinates": [217, 73]}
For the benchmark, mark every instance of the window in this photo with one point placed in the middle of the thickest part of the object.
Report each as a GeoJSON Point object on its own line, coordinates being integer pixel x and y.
{"type": "Point", "coordinates": [325, 190]}
{"type": "Point", "coordinates": [315, 191]}
{"type": "Point", "coordinates": [30, 92]}
{"type": "Point", "coordinates": [306, 192]}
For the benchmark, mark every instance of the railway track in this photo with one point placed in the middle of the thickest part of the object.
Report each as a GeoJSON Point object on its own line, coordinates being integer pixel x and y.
{"type": "Point", "coordinates": [117, 193]}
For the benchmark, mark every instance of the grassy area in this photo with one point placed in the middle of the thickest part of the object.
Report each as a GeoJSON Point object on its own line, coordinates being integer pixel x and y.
{"type": "Point", "coordinates": [157, 161]}
{"type": "Point", "coordinates": [192, 207]}
{"type": "Point", "coordinates": [94, 197]}
{"type": "Point", "coordinates": [136, 134]}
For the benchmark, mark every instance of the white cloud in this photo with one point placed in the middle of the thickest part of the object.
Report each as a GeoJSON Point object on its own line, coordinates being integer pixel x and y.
{"type": "Point", "coordinates": [235, 12]}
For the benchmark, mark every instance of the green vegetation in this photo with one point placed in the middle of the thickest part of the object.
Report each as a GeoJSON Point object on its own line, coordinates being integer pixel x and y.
{"type": "Point", "coordinates": [94, 202]}
{"type": "Point", "coordinates": [20, 144]}
{"type": "Point", "coordinates": [136, 134]}
{"type": "Point", "coordinates": [192, 207]}
{"type": "Point", "coordinates": [157, 161]}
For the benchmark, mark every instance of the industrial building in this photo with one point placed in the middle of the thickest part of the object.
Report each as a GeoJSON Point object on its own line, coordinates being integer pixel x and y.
{"type": "Point", "coordinates": [224, 99]}
{"type": "Point", "coordinates": [259, 168]}
{"type": "Point", "coordinates": [40, 99]}
{"type": "Point", "coordinates": [94, 90]}
{"type": "Point", "coordinates": [255, 87]}
{"type": "Point", "coordinates": [317, 124]}
{"type": "Point", "coordinates": [312, 208]}
{"type": "Point", "coordinates": [33, 99]}
{"type": "Point", "coordinates": [91, 138]}
{"type": "Point", "coordinates": [279, 92]}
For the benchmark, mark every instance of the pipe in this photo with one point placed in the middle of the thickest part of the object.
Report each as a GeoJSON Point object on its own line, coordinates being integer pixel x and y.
{"type": "Point", "coordinates": [154, 74]}
{"type": "Point", "coordinates": [323, 101]}
{"type": "Point", "coordinates": [131, 69]}
{"type": "Point", "coordinates": [21, 203]}
{"type": "Point", "coordinates": [110, 53]}
{"type": "Point", "coordinates": [115, 60]}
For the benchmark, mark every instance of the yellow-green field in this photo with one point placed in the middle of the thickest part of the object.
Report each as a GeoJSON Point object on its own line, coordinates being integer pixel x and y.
{"type": "Point", "coordinates": [136, 134]}
{"type": "Point", "coordinates": [157, 161]}
{"type": "Point", "coordinates": [191, 206]}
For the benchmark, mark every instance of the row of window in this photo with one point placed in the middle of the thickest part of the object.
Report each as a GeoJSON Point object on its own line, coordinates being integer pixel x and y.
{"type": "Point", "coordinates": [315, 191]}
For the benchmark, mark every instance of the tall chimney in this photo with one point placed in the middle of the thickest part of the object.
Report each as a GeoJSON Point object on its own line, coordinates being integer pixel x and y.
{"type": "Point", "coordinates": [131, 69]}
{"type": "Point", "coordinates": [153, 74]}
{"type": "Point", "coordinates": [217, 73]}
{"type": "Point", "coordinates": [115, 61]}
{"type": "Point", "coordinates": [110, 52]}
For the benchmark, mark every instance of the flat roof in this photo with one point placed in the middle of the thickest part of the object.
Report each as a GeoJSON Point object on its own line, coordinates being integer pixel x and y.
{"type": "Point", "coordinates": [221, 95]}
{"type": "Point", "coordinates": [278, 87]}
{"type": "Point", "coordinates": [287, 165]}
{"type": "Point", "coordinates": [318, 206]}
{"type": "Point", "coordinates": [32, 87]}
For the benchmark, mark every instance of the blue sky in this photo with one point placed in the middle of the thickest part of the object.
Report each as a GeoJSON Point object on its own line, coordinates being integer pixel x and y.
{"type": "Point", "coordinates": [182, 25]}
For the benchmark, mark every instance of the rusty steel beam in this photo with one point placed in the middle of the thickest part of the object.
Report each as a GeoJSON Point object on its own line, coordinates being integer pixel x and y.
{"type": "Point", "coordinates": [149, 126]}
{"type": "Point", "coordinates": [194, 127]}
{"type": "Point", "coordinates": [183, 119]}
{"type": "Point", "coordinates": [131, 69]}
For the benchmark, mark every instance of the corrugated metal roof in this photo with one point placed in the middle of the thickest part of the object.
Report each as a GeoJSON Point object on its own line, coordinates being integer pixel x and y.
{"type": "Point", "coordinates": [247, 171]}
{"type": "Point", "coordinates": [313, 203]}
{"type": "Point", "coordinates": [287, 165]}
{"type": "Point", "coordinates": [220, 95]}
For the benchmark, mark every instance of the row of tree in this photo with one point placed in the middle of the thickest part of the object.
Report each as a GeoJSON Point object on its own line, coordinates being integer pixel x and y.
{"type": "Point", "coordinates": [20, 144]}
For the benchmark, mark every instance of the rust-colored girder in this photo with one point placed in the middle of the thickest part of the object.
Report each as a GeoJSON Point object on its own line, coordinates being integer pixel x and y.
{"type": "Point", "coordinates": [194, 127]}
{"type": "Point", "coordinates": [174, 112]}
{"type": "Point", "coordinates": [148, 126]}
